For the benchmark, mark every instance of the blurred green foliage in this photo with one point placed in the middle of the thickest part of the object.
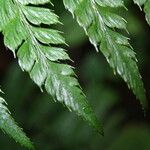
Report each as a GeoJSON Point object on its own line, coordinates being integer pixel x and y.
{"type": "Point", "coordinates": [52, 127]}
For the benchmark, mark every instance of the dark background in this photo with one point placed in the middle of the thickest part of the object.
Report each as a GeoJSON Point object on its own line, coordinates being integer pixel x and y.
{"type": "Point", "coordinates": [51, 126]}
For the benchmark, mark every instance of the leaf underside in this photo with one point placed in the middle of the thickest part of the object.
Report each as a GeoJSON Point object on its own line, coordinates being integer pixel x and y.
{"type": "Point", "coordinates": [26, 26]}
{"type": "Point", "coordinates": [101, 24]}
{"type": "Point", "coordinates": [9, 126]}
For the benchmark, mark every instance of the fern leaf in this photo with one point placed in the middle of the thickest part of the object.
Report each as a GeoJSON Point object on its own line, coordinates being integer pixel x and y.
{"type": "Point", "coordinates": [146, 4]}
{"type": "Point", "coordinates": [99, 21]}
{"type": "Point", "coordinates": [36, 47]}
{"type": "Point", "coordinates": [9, 126]}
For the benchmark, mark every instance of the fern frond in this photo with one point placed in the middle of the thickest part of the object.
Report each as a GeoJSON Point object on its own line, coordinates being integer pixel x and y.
{"type": "Point", "coordinates": [27, 32]}
{"type": "Point", "coordinates": [9, 126]}
{"type": "Point", "coordinates": [146, 4]}
{"type": "Point", "coordinates": [99, 21]}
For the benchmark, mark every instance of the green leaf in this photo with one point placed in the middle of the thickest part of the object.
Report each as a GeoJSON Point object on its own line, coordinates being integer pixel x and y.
{"type": "Point", "coordinates": [139, 2]}
{"type": "Point", "coordinates": [38, 15]}
{"type": "Point", "coordinates": [147, 11]}
{"type": "Point", "coordinates": [110, 3]}
{"type": "Point", "coordinates": [9, 126]}
{"type": "Point", "coordinates": [7, 12]}
{"type": "Point", "coordinates": [12, 39]}
{"type": "Point", "coordinates": [146, 4]}
{"type": "Point", "coordinates": [28, 34]}
{"type": "Point", "coordinates": [100, 23]}
{"type": "Point", "coordinates": [35, 2]}
{"type": "Point", "coordinates": [48, 36]}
